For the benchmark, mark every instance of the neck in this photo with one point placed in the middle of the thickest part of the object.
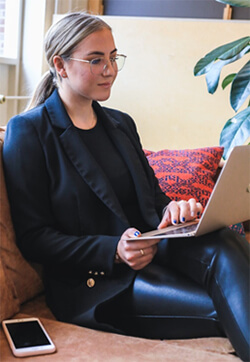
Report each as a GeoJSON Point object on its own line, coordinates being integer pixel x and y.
{"type": "Point", "coordinates": [80, 111]}
{"type": "Point", "coordinates": [85, 120]}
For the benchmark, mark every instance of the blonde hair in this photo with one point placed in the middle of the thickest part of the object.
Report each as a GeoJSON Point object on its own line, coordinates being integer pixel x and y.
{"type": "Point", "coordinates": [62, 39]}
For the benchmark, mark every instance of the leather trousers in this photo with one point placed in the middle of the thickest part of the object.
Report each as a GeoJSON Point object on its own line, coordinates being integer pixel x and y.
{"type": "Point", "coordinates": [195, 287]}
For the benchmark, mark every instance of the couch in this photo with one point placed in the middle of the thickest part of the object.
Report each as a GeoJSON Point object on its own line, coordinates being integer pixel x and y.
{"type": "Point", "coordinates": [22, 291]}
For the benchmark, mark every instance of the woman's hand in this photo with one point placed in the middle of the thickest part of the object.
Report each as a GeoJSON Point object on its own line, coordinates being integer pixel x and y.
{"type": "Point", "coordinates": [180, 211]}
{"type": "Point", "coordinates": [137, 254]}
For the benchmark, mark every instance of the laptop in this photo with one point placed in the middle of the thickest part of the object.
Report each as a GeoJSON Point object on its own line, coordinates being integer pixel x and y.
{"type": "Point", "coordinates": [228, 204]}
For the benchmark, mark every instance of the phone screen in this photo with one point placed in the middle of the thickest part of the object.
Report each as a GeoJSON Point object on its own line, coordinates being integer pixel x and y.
{"type": "Point", "coordinates": [27, 334]}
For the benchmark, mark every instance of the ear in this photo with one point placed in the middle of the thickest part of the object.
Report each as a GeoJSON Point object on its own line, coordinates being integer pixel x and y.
{"type": "Point", "coordinates": [59, 65]}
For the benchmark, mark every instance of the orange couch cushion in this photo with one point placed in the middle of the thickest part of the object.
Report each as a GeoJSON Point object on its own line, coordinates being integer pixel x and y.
{"type": "Point", "coordinates": [26, 280]}
{"type": "Point", "coordinates": [9, 303]}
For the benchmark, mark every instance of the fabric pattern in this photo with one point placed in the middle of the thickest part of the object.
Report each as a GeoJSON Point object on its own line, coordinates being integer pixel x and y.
{"type": "Point", "coordinates": [186, 173]}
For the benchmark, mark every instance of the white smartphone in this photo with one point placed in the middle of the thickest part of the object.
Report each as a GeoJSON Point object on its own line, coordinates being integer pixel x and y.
{"type": "Point", "coordinates": [27, 337]}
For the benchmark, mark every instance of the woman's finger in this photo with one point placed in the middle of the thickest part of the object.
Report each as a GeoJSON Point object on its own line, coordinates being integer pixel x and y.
{"type": "Point", "coordinates": [184, 211]}
{"type": "Point", "coordinates": [136, 253]}
{"type": "Point", "coordinates": [192, 208]}
{"type": "Point", "coordinates": [180, 211]}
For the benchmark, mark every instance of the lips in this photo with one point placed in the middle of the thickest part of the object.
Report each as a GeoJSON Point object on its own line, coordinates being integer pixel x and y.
{"type": "Point", "coordinates": [105, 85]}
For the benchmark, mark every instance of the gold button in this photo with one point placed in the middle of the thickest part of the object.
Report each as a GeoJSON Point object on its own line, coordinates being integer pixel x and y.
{"type": "Point", "coordinates": [90, 282]}
{"type": "Point", "coordinates": [102, 273]}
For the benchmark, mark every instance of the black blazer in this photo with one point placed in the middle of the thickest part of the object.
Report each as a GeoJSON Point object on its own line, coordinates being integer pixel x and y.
{"type": "Point", "coordinates": [65, 213]}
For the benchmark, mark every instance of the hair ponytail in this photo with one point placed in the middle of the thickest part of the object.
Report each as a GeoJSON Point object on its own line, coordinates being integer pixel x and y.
{"type": "Point", "coordinates": [43, 90]}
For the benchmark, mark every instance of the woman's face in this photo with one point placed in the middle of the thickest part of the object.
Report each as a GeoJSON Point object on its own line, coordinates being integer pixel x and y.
{"type": "Point", "coordinates": [80, 81]}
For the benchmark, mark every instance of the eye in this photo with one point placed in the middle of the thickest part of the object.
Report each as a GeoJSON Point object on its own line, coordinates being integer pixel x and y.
{"type": "Point", "coordinates": [96, 61]}
{"type": "Point", "coordinates": [113, 59]}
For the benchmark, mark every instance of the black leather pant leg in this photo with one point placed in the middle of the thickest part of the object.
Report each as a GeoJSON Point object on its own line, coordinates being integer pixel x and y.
{"type": "Point", "coordinates": [195, 287]}
{"type": "Point", "coordinates": [220, 262]}
{"type": "Point", "coordinates": [165, 304]}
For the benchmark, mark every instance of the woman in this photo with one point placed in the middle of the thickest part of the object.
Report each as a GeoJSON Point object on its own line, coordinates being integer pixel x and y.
{"type": "Point", "coordinates": [80, 186]}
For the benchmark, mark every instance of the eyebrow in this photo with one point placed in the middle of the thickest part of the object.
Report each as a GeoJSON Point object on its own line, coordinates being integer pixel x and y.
{"type": "Point", "coordinates": [101, 53]}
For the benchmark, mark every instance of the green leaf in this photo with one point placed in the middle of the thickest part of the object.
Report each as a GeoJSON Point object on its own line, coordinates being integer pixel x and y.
{"type": "Point", "coordinates": [243, 3]}
{"type": "Point", "coordinates": [237, 49]}
{"type": "Point", "coordinates": [228, 80]}
{"type": "Point", "coordinates": [236, 131]}
{"type": "Point", "coordinates": [213, 75]}
{"type": "Point", "coordinates": [240, 87]}
{"type": "Point", "coordinates": [223, 52]}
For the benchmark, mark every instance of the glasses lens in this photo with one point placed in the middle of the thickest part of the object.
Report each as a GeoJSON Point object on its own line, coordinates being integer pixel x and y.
{"type": "Point", "coordinates": [97, 65]}
{"type": "Point", "coordinates": [120, 60]}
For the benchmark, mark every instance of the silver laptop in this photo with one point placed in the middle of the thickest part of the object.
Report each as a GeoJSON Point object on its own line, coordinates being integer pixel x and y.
{"type": "Point", "coordinates": [228, 204]}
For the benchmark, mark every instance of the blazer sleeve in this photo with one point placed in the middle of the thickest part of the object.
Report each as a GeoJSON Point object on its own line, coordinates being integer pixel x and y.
{"type": "Point", "coordinates": [28, 187]}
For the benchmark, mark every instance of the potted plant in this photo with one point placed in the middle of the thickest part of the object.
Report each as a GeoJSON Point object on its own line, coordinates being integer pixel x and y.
{"type": "Point", "coordinates": [237, 129]}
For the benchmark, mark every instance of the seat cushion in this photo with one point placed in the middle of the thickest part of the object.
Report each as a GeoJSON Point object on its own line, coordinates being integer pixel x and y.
{"type": "Point", "coordinates": [81, 344]}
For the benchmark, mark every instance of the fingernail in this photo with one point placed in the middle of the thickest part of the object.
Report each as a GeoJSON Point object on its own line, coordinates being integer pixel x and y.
{"type": "Point", "coordinates": [175, 222]}
{"type": "Point", "coordinates": [183, 219]}
{"type": "Point", "coordinates": [198, 213]}
{"type": "Point", "coordinates": [136, 233]}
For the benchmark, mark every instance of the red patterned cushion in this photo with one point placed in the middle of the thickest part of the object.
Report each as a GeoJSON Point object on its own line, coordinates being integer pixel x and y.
{"type": "Point", "coordinates": [148, 152]}
{"type": "Point", "coordinates": [183, 174]}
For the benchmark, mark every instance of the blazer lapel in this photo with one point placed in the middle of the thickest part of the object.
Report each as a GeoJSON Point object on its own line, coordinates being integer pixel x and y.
{"type": "Point", "coordinates": [143, 189]}
{"type": "Point", "coordinates": [132, 157]}
{"type": "Point", "coordinates": [81, 158]}
{"type": "Point", "coordinates": [90, 171]}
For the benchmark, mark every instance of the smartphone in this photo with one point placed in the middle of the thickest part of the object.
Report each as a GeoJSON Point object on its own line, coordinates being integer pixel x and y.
{"type": "Point", "coordinates": [27, 337]}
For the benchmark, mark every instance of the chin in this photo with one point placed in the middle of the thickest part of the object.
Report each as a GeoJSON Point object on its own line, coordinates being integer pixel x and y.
{"type": "Point", "coordinates": [102, 98]}
{"type": "Point", "coordinates": [103, 94]}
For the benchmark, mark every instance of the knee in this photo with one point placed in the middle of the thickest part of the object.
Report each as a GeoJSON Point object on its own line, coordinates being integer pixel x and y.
{"type": "Point", "coordinates": [230, 257]}
{"type": "Point", "coordinates": [231, 243]}
{"type": "Point", "coordinates": [226, 253]}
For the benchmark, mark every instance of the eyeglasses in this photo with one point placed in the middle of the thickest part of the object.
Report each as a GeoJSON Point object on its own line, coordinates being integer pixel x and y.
{"type": "Point", "coordinates": [98, 65]}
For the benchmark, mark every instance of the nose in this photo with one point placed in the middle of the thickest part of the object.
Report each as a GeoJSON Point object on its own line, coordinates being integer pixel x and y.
{"type": "Point", "coordinates": [109, 68]}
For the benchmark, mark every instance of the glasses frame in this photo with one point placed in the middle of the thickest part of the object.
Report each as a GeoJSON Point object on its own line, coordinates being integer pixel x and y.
{"type": "Point", "coordinates": [105, 65]}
